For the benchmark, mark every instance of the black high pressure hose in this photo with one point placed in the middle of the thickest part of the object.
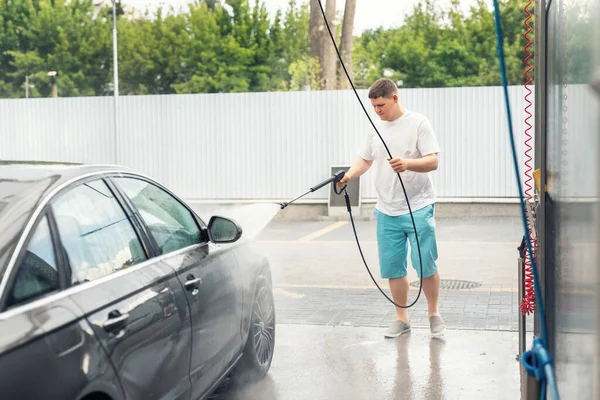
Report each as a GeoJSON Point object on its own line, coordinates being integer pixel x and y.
{"type": "Point", "coordinates": [399, 177]}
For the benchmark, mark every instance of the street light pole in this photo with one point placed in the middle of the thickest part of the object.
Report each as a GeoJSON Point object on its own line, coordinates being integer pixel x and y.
{"type": "Point", "coordinates": [54, 89]}
{"type": "Point", "coordinates": [115, 79]}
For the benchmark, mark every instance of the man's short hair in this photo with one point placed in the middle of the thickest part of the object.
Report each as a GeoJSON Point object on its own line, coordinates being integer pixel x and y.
{"type": "Point", "coordinates": [383, 87]}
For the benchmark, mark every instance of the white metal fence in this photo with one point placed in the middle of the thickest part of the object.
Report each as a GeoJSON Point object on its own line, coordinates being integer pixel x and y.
{"type": "Point", "coordinates": [268, 145]}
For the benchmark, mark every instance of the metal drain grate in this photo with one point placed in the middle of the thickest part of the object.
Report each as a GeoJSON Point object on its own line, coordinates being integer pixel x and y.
{"type": "Point", "coordinates": [452, 284]}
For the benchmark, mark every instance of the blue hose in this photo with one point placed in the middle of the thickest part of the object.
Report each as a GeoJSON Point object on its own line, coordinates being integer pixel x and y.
{"type": "Point", "coordinates": [537, 361]}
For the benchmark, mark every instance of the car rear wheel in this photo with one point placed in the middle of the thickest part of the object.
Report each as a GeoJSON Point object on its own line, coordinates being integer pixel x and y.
{"type": "Point", "coordinates": [260, 345]}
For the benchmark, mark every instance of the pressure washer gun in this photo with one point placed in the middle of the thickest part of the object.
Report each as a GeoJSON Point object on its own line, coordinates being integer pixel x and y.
{"type": "Point", "coordinates": [335, 179]}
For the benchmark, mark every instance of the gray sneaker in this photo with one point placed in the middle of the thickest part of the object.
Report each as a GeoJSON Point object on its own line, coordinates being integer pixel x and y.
{"type": "Point", "coordinates": [437, 325]}
{"type": "Point", "coordinates": [397, 328]}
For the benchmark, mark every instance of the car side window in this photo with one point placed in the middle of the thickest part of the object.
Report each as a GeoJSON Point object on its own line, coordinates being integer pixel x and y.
{"type": "Point", "coordinates": [95, 232]}
{"type": "Point", "coordinates": [170, 223]}
{"type": "Point", "coordinates": [37, 274]}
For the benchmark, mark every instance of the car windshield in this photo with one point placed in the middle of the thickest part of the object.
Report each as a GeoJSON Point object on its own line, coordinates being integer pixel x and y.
{"type": "Point", "coordinates": [5, 253]}
{"type": "Point", "coordinates": [8, 191]}
{"type": "Point", "coordinates": [19, 194]}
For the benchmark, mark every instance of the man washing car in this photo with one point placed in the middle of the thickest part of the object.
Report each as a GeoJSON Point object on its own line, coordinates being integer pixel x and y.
{"type": "Point", "coordinates": [411, 139]}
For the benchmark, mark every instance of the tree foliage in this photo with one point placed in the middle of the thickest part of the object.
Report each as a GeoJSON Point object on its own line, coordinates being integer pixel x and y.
{"type": "Point", "coordinates": [235, 46]}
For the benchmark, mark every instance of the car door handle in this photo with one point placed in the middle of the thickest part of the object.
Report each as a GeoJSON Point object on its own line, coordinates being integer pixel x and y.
{"type": "Point", "coordinates": [115, 322]}
{"type": "Point", "coordinates": [193, 283]}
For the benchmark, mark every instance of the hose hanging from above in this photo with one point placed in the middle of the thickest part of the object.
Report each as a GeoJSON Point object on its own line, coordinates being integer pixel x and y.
{"type": "Point", "coordinates": [538, 361]}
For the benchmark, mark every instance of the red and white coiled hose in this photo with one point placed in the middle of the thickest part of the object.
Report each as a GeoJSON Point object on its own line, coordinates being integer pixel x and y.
{"type": "Point", "coordinates": [527, 305]}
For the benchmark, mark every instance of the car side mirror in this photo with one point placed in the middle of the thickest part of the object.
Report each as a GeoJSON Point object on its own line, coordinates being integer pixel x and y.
{"type": "Point", "coordinates": [223, 230]}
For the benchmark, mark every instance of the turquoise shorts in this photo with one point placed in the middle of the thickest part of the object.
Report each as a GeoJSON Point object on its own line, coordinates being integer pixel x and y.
{"type": "Point", "coordinates": [393, 235]}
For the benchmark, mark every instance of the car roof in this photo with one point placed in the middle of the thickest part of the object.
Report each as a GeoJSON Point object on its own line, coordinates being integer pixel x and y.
{"type": "Point", "coordinates": [41, 170]}
{"type": "Point", "coordinates": [24, 185]}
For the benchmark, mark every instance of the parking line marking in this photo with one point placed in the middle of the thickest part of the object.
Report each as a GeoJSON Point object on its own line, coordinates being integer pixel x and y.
{"type": "Point", "coordinates": [285, 293]}
{"type": "Point", "coordinates": [322, 232]}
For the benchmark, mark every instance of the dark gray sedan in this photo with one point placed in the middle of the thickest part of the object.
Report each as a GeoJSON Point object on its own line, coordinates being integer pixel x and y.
{"type": "Point", "coordinates": [113, 288]}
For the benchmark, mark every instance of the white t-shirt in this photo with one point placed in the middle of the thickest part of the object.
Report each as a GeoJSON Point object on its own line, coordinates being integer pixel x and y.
{"type": "Point", "coordinates": [410, 136]}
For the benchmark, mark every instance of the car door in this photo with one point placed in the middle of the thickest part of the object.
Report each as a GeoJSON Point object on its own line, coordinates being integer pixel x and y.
{"type": "Point", "coordinates": [133, 302]}
{"type": "Point", "coordinates": [206, 271]}
{"type": "Point", "coordinates": [46, 350]}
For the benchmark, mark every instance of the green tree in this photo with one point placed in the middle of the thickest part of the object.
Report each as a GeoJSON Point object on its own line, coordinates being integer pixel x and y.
{"type": "Point", "coordinates": [291, 43]}
{"type": "Point", "coordinates": [197, 75]}
{"type": "Point", "coordinates": [54, 35]}
{"type": "Point", "coordinates": [436, 48]}
{"type": "Point", "coordinates": [234, 46]}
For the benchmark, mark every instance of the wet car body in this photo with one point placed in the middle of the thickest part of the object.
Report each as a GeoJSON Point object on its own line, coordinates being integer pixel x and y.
{"type": "Point", "coordinates": [113, 288]}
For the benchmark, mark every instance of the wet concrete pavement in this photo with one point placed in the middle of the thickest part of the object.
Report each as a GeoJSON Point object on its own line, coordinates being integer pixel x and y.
{"type": "Point", "coordinates": [330, 363]}
{"type": "Point", "coordinates": [319, 276]}
{"type": "Point", "coordinates": [331, 317]}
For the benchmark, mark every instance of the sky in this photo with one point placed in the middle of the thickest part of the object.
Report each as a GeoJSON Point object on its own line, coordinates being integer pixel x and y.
{"type": "Point", "coordinates": [369, 13]}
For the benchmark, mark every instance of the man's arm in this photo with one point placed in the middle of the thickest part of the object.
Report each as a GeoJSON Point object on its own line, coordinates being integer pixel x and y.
{"type": "Point", "coordinates": [360, 167]}
{"type": "Point", "coordinates": [428, 145]}
{"type": "Point", "coordinates": [426, 163]}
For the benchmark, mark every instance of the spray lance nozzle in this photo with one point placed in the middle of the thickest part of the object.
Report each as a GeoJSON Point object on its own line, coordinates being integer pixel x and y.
{"type": "Point", "coordinates": [333, 179]}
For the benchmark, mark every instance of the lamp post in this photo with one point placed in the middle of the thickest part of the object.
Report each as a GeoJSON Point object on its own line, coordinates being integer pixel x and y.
{"type": "Point", "coordinates": [54, 89]}
{"type": "Point", "coordinates": [115, 80]}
